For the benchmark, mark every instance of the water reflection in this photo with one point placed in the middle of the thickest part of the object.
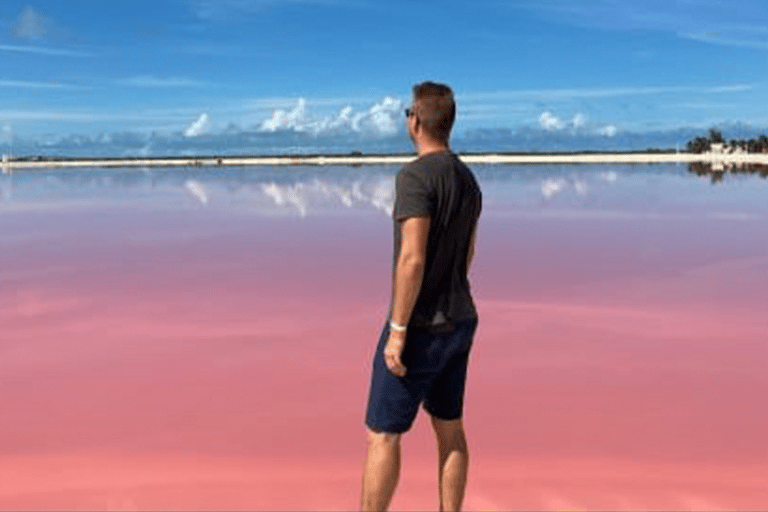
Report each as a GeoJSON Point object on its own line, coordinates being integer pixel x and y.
{"type": "Point", "coordinates": [622, 346]}
{"type": "Point", "coordinates": [717, 170]}
{"type": "Point", "coordinates": [263, 190]}
{"type": "Point", "coordinates": [304, 191]}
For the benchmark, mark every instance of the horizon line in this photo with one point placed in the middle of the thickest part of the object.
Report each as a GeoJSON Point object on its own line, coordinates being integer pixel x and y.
{"type": "Point", "coordinates": [581, 157]}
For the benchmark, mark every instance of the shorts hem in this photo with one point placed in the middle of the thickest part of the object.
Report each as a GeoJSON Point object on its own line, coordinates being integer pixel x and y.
{"type": "Point", "coordinates": [388, 430]}
{"type": "Point", "coordinates": [450, 417]}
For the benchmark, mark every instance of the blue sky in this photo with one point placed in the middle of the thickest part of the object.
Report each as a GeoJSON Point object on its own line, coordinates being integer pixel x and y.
{"type": "Point", "coordinates": [197, 66]}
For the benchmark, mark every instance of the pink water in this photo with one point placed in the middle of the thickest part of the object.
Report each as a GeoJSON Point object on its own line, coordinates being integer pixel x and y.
{"type": "Point", "coordinates": [217, 357]}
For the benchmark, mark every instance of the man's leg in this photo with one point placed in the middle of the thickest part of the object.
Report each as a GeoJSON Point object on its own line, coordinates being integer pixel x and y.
{"type": "Point", "coordinates": [453, 465]}
{"type": "Point", "coordinates": [382, 469]}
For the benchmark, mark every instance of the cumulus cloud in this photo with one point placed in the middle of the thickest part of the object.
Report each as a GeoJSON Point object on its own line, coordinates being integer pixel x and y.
{"type": "Point", "coordinates": [381, 117]}
{"type": "Point", "coordinates": [379, 120]}
{"type": "Point", "coordinates": [550, 121]}
{"type": "Point", "coordinates": [200, 126]}
{"type": "Point", "coordinates": [295, 119]}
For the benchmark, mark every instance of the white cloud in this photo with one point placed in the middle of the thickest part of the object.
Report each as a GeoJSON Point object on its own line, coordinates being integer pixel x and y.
{"type": "Point", "coordinates": [19, 84]}
{"type": "Point", "coordinates": [224, 10]}
{"type": "Point", "coordinates": [290, 102]}
{"type": "Point", "coordinates": [295, 119]}
{"type": "Point", "coordinates": [550, 122]}
{"type": "Point", "coordinates": [31, 25]}
{"type": "Point", "coordinates": [153, 81]}
{"type": "Point", "coordinates": [209, 49]}
{"type": "Point", "coordinates": [379, 120]}
{"type": "Point", "coordinates": [200, 126]}
{"type": "Point", "coordinates": [89, 116]}
{"type": "Point", "coordinates": [740, 40]}
{"type": "Point", "coordinates": [45, 115]}
{"type": "Point", "coordinates": [381, 117]}
{"type": "Point", "coordinates": [579, 120]}
{"type": "Point", "coordinates": [711, 21]}
{"type": "Point", "coordinates": [601, 92]}
{"type": "Point", "coordinates": [579, 124]}
{"type": "Point", "coordinates": [40, 50]}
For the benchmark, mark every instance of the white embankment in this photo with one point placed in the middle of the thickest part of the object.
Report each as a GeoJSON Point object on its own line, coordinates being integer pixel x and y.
{"type": "Point", "coordinates": [490, 158]}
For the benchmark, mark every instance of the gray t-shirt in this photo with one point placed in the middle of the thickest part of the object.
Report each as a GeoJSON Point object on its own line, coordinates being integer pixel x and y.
{"type": "Point", "coordinates": [440, 186]}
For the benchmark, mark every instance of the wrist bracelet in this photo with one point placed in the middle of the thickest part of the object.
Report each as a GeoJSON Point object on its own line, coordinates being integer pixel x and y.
{"type": "Point", "coordinates": [397, 327]}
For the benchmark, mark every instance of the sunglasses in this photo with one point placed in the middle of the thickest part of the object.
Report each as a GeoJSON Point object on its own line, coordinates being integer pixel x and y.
{"type": "Point", "coordinates": [409, 112]}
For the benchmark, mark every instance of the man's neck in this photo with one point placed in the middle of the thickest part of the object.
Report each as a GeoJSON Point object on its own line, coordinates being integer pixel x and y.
{"type": "Point", "coordinates": [428, 147]}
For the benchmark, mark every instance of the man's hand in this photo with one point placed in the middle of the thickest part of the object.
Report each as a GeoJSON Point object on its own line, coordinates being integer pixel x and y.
{"type": "Point", "coordinates": [392, 353]}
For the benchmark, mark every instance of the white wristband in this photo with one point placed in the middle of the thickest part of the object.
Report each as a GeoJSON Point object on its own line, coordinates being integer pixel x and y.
{"type": "Point", "coordinates": [397, 327]}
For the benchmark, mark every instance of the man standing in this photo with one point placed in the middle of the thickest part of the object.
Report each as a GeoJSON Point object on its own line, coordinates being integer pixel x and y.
{"type": "Point", "coordinates": [423, 351]}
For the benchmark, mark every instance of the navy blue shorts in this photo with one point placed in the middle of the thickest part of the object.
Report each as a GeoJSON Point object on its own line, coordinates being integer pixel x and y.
{"type": "Point", "coordinates": [436, 371]}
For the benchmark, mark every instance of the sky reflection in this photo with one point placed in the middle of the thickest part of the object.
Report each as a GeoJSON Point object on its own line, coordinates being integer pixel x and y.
{"type": "Point", "coordinates": [170, 337]}
{"type": "Point", "coordinates": [647, 191]}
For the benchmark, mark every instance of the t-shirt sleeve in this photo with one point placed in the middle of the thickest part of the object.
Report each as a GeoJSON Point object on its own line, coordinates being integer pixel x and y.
{"type": "Point", "coordinates": [413, 198]}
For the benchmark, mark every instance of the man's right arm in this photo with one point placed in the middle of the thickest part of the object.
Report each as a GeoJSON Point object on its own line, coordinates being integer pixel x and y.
{"type": "Point", "coordinates": [471, 252]}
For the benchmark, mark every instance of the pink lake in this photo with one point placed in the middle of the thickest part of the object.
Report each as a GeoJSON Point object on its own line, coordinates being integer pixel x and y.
{"type": "Point", "coordinates": [202, 339]}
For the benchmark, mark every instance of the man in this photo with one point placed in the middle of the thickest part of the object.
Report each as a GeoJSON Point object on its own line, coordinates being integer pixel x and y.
{"type": "Point", "coordinates": [423, 351]}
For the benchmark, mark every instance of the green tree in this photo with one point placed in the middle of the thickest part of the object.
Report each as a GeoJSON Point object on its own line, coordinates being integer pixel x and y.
{"type": "Point", "coordinates": [698, 145]}
{"type": "Point", "coordinates": [762, 142]}
{"type": "Point", "coordinates": [715, 136]}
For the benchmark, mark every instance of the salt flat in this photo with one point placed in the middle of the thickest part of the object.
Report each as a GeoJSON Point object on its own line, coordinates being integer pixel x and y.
{"type": "Point", "coordinates": [490, 158]}
{"type": "Point", "coordinates": [160, 352]}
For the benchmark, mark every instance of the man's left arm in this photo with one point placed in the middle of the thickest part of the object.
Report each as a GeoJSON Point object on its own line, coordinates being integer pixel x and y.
{"type": "Point", "coordinates": [409, 273]}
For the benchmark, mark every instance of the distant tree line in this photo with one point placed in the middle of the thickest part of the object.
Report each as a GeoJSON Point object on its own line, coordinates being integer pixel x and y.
{"type": "Point", "coordinates": [704, 144]}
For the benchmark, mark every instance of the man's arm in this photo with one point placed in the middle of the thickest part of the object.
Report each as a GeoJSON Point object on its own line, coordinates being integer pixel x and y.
{"type": "Point", "coordinates": [409, 271]}
{"type": "Point", "coordinates": [409, 274]}
{"type": "Point", "coordinates": [471, 252]}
